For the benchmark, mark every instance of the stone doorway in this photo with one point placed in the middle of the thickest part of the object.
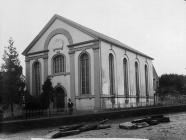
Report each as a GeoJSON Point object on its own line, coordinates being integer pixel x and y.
{"type": "Point", "coordinates": [59, 98]}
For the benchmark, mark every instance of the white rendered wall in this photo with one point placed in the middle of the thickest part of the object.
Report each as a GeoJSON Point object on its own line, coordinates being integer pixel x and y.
{"type": "Point", "coordinates": [84, 103]}
{"type": "Point", "coordinates": [119, 54]}
{"type": "Point", "coordinates": [106, 48]}
{"type": "Point", "coordinates": [31, 73]}
{"type": "Point", "coordinates": [76, 34]}
{"type": "Point", "coordinates": [62, 79]}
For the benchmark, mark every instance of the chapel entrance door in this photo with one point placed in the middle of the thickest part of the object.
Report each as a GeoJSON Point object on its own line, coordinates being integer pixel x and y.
{"type": "Point", "coordinates": [59, 99]}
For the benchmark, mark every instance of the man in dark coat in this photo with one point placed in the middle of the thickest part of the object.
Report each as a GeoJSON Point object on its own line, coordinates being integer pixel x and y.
{"type": "Point", "coordinates": [70, 106]}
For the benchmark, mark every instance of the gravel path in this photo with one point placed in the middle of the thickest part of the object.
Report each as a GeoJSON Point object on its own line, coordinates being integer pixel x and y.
{"type": "Point", "coordinates": [175, 130]}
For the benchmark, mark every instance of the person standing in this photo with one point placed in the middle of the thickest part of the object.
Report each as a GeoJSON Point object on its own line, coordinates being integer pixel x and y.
{"type": "Point", "coordinates": [70, 106]}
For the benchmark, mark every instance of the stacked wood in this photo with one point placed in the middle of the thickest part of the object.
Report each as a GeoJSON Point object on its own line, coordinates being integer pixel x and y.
{"type": "Point", "coordinates": [142, 125]}
{"type": "Point", "coordinates": [64, 131]}
{"type": "Point", "coordinates": [153, 122]}
{"type": "Point", "coordinates": [144, 122]}
{"type": "Point", "coordinates": [128, 125]}
{"type": "Point", "coordinates": [72, 127]}
{"type": "Point", "coordinates": [76, 129]}
{"type": "Point", "coordinates": [103, 121]}
{"type": "Point", "coordinates": [67, 128]}
{"type": "Point", "coordinates": [141, 120]}
{"type": "Point", "coordinates": [58, 134]}
{"type": "Point", "coordinates": [103, 126]}
{"type": "Point", "coordinates": [163, 120]}
{"type": "Point", "coordinates": [89, 127]}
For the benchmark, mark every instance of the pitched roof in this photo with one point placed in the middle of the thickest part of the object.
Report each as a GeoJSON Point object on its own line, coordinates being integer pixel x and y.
{"type": "Point", "coordinates": [86, 30]}
{"type": "Point", "coordinates": [154, 72]}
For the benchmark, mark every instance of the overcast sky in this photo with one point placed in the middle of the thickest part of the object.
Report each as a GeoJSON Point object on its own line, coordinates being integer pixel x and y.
{"type": "Point", "coordinates": [154, 27]}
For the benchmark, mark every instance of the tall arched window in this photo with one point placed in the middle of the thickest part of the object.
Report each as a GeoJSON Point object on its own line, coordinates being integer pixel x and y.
{"type": "Point", "coordinates": [125, 74]}
{"type": "Point", "coordinates": [58, 64]}
{"type": "Point", "coordinates": [84, 74]}
{"type": "Point", "coordinates": [36, 78]}
{"type": "Point", "coordinates": [137, 81]}
{"type": "Point", "coordinates": [146, 81]}
{"type": "Point", "coordinates": [111, 74]}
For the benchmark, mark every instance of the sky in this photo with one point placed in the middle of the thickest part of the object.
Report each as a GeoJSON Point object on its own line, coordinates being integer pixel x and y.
{"type": "Point", "coordinates": [154, 27]}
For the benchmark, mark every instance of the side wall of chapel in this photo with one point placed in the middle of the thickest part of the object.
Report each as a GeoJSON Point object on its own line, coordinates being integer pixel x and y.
{"type": "Point", "coordinates": [119, 54]}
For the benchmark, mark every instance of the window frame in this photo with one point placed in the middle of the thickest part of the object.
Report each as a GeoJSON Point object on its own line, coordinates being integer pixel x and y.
{"type": "Point", "coordinates": [112, 88]}
{"type": "Point", "coordinates": [137, 80]}
{"type": "Point", "coordinates": [146, 69]}
{"type": "Point", "coordinates": [80, 74]}
{"type": "Point", "coordinates": [126, 77]}
{"type": "Point", "coordinates": [63, 65]}
{"type": "Point", "coordinates": [36, 85]}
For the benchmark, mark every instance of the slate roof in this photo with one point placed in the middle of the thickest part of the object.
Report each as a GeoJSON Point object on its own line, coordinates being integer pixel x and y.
{"type": "Point", "coordinates": [86, 30]}
{"type": "Point", "coordinates": [154, 72]}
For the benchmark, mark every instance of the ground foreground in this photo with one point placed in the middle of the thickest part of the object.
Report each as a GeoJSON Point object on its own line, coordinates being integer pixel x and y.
{"type": "Point", "coordinates": [175, 130]}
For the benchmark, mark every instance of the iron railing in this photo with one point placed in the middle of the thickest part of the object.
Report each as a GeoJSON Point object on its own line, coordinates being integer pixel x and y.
{"type": "Point", "coordinates": [107, 104]}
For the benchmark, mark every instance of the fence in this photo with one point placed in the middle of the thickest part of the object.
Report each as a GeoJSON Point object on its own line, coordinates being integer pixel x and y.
{"type": "Point", "coordinates": [123, 102]}
{"type": "Point", "coordinates": [107, 104]}
{"type": "Point", "coordinates": [45, 113]}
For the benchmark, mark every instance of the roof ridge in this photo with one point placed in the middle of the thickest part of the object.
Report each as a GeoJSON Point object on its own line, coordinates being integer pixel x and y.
{"type": "Point", "coordinates": [86, 30]}
{"type": "Point", "coordinates": [101, 35]}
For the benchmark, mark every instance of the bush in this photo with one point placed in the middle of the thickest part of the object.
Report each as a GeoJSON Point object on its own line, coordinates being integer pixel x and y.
{"type": "Point", "coordinates": [171, 84]}
{"type": "Point", "coordinates": [42, 101]}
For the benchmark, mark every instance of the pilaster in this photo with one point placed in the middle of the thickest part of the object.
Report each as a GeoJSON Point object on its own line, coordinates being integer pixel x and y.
{"type": "Point", "coordinates": [45, 68]}
{"type": "Point", "coordinates": [72, 77]}
{"type": "Point", "coordinates": [28, 75]}
{"type": "Point", "coordinates": [97, 78]}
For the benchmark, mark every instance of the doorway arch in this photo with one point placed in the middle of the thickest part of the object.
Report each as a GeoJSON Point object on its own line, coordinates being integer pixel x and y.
{"type": "Point", "coordinates": [59, 98]}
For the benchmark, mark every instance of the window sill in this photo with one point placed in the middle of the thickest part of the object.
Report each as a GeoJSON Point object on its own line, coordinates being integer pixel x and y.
{"type": "Point", "coordinates": [85, 96]}
{"type": "Point", "coordinates": [108, 96]}
{"type": "Point", "coordinates": [61, 73]}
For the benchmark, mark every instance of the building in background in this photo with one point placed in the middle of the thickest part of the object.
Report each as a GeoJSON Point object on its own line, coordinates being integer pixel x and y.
{"type": "Point", "coordinates": [92, 69]}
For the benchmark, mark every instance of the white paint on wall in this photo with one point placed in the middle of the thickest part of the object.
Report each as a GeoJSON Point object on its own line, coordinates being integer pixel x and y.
{"type": "Point", "coordinates": [52, 52]}
{"type": "Point", "coordinates": [63, 79]}
{"type": "Point", "coordinates": [76, 34]}
{"type": "Point", "coordinates": [106, 48]}
{"type": "Point", "coordinates": [85, 104]}
{"type": "Point", "coordinates": [31, 67]}
{"type": "Point", "coordinates": [41, 61]}
{"type": "Point", "coordinates": [76, 57]}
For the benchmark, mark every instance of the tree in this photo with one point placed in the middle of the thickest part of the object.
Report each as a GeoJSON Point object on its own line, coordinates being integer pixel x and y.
{"type": "Point", "coordinates": [42, 101]}
{"type": "Point", "coordinates": [171, 83]}
{"type": "Point", "coordinates": [12, 75]}
{"type": "Point", "coordinates": [1, 86]}
{"type": "Point", "coordinates": [47, 94]}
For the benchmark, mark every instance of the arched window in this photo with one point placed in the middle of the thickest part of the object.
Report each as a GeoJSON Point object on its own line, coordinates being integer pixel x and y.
{"type": "Point", "coordinates": [146, 81]}
{"type": "Point", "coordinates": [36, 78]}
{"type": "Point", "coordinates": [58, 64]}
{"type": "Point", "coordinates": [84, 74]}
{"type": "Point", "coordinates": [111, 74]}
{"type": "Point", "coordinates": [137, 81]}
{"type": "Point", "coordinates": [125, 74]}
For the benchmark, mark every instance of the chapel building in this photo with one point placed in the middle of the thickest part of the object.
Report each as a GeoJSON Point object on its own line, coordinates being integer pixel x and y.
{"type": "Point", "coordinates": [93, 70]}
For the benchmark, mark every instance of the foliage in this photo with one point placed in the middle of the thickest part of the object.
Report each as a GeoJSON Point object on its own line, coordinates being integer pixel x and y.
{"type": "Point", "coordinates": [172, 84]}
{"type": "Point", "coordinates": [31, 102]}
{"type": "Point", "coordinates": [42, 101]}
{"type": "Point", "coordinates": [12, 77]}
{"type": "Point", "coordinates": [1, 86]}
{"type": "Point", "coordinates": [47, 95]}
